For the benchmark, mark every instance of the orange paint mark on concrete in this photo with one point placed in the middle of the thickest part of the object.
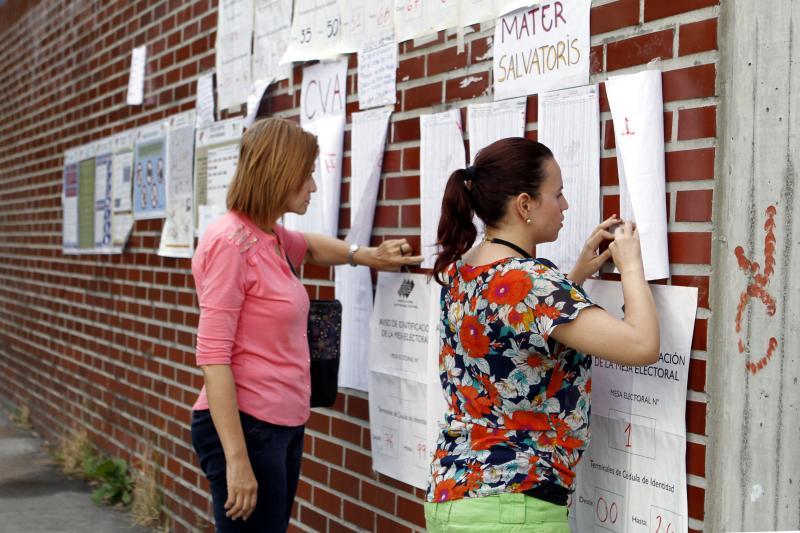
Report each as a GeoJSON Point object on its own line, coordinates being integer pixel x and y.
{"type": "Point", "coordinates": [757, 288]}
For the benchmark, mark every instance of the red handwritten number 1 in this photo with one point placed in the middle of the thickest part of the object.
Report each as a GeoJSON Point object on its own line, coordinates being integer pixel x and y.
{"type": "Point", "coordinates": [628, 431]}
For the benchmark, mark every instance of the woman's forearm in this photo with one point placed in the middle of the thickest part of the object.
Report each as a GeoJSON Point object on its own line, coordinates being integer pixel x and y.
{"type": "Point", "coordinates": [327, 251]}
{"type": "Point", "coordinates": [222, 404]}
{"type": "Point", "coordinates": [640, 308]}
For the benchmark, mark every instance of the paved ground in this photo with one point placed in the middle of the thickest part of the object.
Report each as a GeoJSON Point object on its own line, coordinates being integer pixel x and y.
{"type": "Point", "coordinates": [35, 497]}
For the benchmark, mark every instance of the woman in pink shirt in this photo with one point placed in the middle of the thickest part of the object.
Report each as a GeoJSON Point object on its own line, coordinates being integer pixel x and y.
{"type": "Point", "coordinates": [247, 424]}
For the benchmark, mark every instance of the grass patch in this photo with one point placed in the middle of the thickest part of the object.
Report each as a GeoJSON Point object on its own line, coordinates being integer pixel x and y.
{"type": "Point", "coordinates": [147, 502]}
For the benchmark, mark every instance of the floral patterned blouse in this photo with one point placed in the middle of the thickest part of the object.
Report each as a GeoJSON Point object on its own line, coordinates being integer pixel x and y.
{"type": "Point", "coordinates": [518, 401]}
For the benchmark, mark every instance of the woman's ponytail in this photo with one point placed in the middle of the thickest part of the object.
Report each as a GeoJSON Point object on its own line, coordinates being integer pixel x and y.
{"type": "Point", "coordinates": [456, 233]}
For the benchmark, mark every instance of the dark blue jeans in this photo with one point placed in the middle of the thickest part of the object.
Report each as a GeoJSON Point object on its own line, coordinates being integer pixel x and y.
{"type": "Point", "coordinates": [275, 454]}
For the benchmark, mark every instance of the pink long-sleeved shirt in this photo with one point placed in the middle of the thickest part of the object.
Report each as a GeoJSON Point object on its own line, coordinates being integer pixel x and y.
{"type": "Point", "coordinates": [254, 316]}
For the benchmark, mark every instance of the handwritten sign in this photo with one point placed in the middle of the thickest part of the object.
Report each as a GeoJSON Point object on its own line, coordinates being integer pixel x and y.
{"type": "Point", "coordinates": [316, 32]}
{"type": "Point", "coordinates": [323, 91]}
{"type": "Point", "coordinates": [542, 48]}
{"type": "Point", "coordinates": [377, 74]}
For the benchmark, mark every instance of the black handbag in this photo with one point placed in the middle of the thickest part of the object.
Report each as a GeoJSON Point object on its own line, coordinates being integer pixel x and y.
{"type": "Point", "coordinates": [324, 346]}
{"type": "Point", "coordinates": [324, 343]}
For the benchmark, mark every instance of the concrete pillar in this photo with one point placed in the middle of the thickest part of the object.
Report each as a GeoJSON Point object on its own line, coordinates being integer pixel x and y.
{"type": "Point", "coordinates": [753, 471]}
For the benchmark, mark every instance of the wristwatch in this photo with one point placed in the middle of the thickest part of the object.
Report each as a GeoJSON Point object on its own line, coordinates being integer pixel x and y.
{"type": "Point", "coordinates": [351, 252]}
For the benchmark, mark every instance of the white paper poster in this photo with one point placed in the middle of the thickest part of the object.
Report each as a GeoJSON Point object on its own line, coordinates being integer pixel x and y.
{"type": "Point", "coordinates": [316, 32]}
{"type": "Point", "coordinates": [441, 152]}
{"type": "Point", "coordinates": [233, 60]}
{"type": "Point", "coordinates": [377, 75]}
{"type": "Point", "coordinates": [632, 478]}
{"type": "Point", "coordinates": [406, 402]}
{"type": "Point", "coordinates": [150, 171]}
{"type": "Point", "coordinates": [543, 48]}
{"type": "Point", "coordinates": [569, 124]}
{"type": "Point", "coordinates": [354, 284]}
{"type": "Point", "coordinates": [136, 77]}
{"type": "Point", "coordinates": [273, 23]}
{"type": "Point", "coordinates": [322, 113]}
{"type": "Point", "coordinates": [215, 159]}
{"type": "Point", "coordinates": [490, 122]}
{"type": "Point", "coordinates": [122, 189]}
{"type": "Point", "coordinates": [324, 91]}
{"type": "Point", "coordinates": [177, 235]}
{"type": "Point", "coordinates": [419, 18]}
{"type": "Point", "coordinates": [69, 201]}
{"type": "Point", "coordinates": [204, 104]}
{"type": "Point", "coordinates": [367, 23]}
{"type": "Point", "coordinates": [637, 108]}
{"type": "Point", "coordinates": [103, 192]}
{"type": "Point", "coordinates": [322, 215]}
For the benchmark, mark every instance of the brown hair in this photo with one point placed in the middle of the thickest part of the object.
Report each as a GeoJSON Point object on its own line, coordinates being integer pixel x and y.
{"type": "Point", "coordinates": [275, 158]}
{"type": "Point", "coordinates": [502, 170]}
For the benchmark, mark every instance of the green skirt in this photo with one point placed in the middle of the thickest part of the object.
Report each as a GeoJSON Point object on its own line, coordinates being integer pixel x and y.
{"type": "Point", "coordinates": [503, 513]}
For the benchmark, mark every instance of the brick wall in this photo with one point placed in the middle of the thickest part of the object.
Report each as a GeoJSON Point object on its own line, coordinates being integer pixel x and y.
{"type": "Point", "coordinates": [106, 342]}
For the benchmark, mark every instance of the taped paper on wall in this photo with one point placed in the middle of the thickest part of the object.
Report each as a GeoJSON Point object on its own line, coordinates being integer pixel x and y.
{"type": "Point", "coordinates": [569, 124]}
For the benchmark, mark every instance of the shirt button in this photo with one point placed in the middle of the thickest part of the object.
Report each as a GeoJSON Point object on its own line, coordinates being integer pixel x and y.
{"type": "Point", "coordinates": [304, 334]}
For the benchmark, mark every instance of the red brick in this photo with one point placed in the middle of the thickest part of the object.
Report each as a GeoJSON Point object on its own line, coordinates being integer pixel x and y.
{"type": "Point", "coordinates": [694, 206]}
{"type": "Point", "coordinates": [596, 59]}
{"type": "Point", "coordinates": [610, 205]}
{"type": "Point", "coordinates": [693, 248]}
{"type": "Point", "coordinates": [358, 407]}
{"type": "Point", "coordinates": [315, 470]}
{"type": "Point", "coordinates": [313, 519]}
{"type": "Point", "coordinates": [346, 430]}
{"type": "Point", "coordinates": [327, 501]}
{"type": "Point", "coordinates": [696, 502]}
{"type": "Point", "coordinates": [328, 451]}
{"type": "Point", "coordinates": [608, 171]}
{"type": "Point", "coordinates": [639, 50]}
{"type": "Point", "coordinates": [697, 375]}
{"type": "Point", "coordinates": [411, 511]}
{"type": "Point", "coordinates": [479, 50]}
{"type": "Point", "coordinates": [422, 96]}
{"type": "Point", "coordinates": [391, 161]}
{"type": "Point", "coordinates": [700, 334]}
{"type": "Point", "coordinates": [385, 524]}
{"type": "Point", "coordinates": [406, 130]}
{"type": "Point", "coordinates": [609, 140]}
{"type": "Point", "coordinates": [656, 9]}
{"type": "Point", "coordinates": [411, 158]}
{"type": "Point", "coordinates": [345, 483]}
{"type": "Point", "coordinates": [690, 82]}
{"type": "Point", "coordinates": [387, 216]}
{"type": "Point", "coordinates": [378, 497]}
{"type": "Point", "coordinates": [697, 123]}
{"type": "Point", "coordinates": [532, 109]}
{"type": "Point", "coordinates": [410, 216]}
{"type": "Point", "coordinates": [690, 165]}
{"type": "Point", "coordinates": [701, 282]}
{"type": "Point", "coordinates": [696, 417]}
{"type": "Point", "coordinates": [401, 188]}
{"type": "Point", "coordinates": [358, 515]}
{"type": "Point", "coordinates": [696, 459]}
{"type": "Point", "coordinates": [613, 16]}
{"type": "Point", "coordinates": [411, 68]}
{"type": "Point", "coordinates": [466, 87]}
{"type": "Point", "coordinates": [446, 60]}
{"type": "Point", "coordinates": [697, 37]}
{"type": "Point", "coordinates": [358, 462]}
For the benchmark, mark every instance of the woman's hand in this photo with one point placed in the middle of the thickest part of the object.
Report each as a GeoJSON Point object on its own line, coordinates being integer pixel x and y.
{"type": "Point", "coordinates": [626, 250]}
{"type": "Point", "coordinates": [589, 261]}
{"type": "Point", "coordinates": [392, 255]}
{"type": "Point", "coordinates": [242, 488]}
